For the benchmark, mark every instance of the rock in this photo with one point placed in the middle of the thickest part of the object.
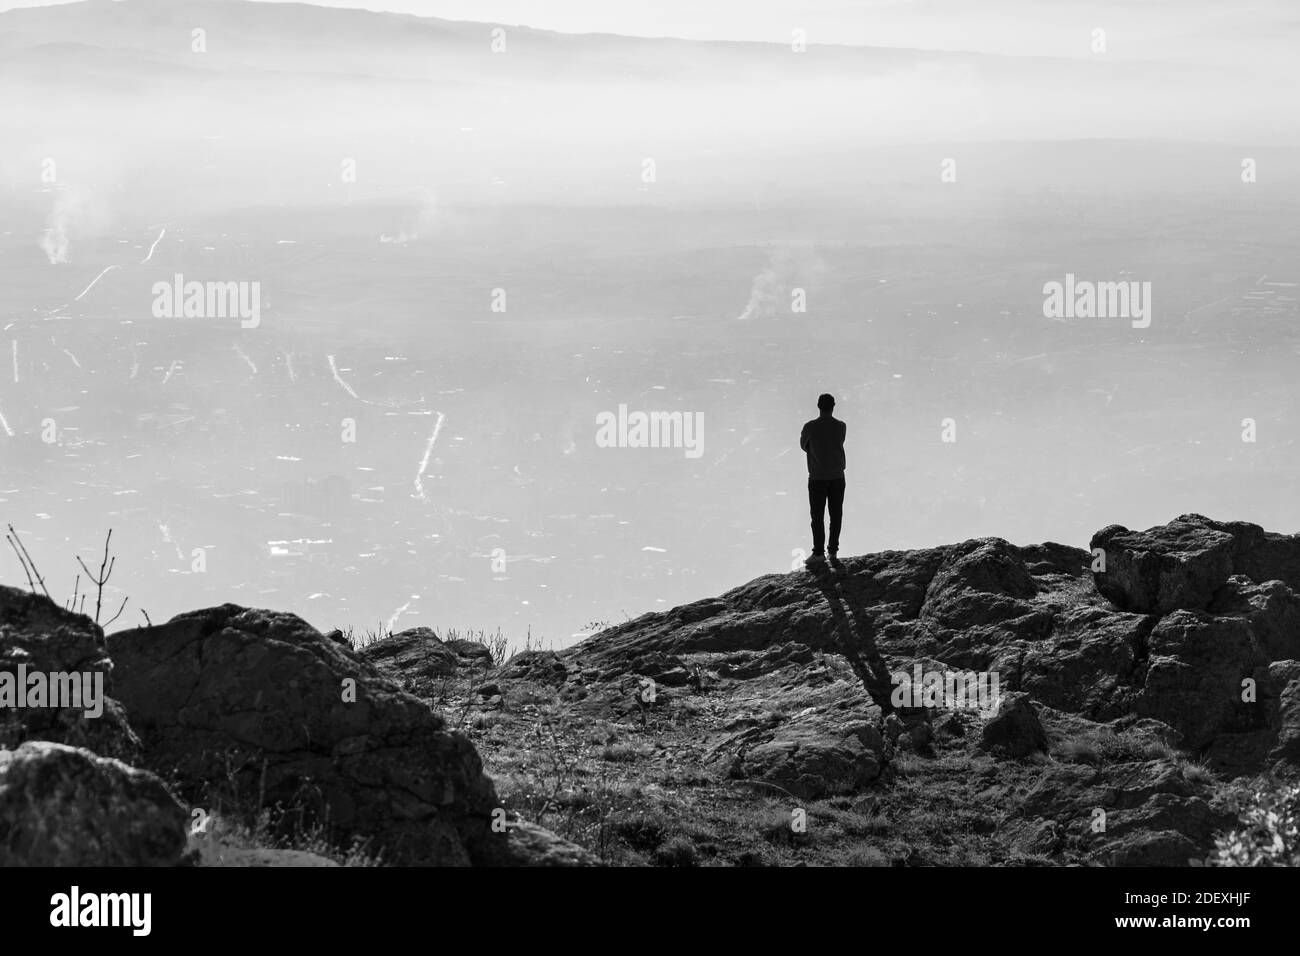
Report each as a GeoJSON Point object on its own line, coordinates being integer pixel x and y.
{"type": "Point", "coordinates": [1195, 669]}
{"type": "Point", "coordinates": [664, 669]}
{"type": "Point", "coordinates": [530, 845]}
{"type": "Point", "coordinates": [416, 659]}
{"type": "Point", "coordinates": [257, 698]}
{"type": "Point", "coordinates": [949, 725]}
{"type": "Point", "coordinates": [1034, 837]}
{"type": "Point", "coordinates": [338, 636]}
{"type": "Point", "coordinates": [1273, 610]}
{"type": "Point", "coordinates": [1144, 813]}
{"type": "Point", "coordinates": [919, 734]}
{"type": "Point", "coordinates": [43, 637]}
{"type": "Point", "coordinates": [1175, 566]}
{"type": "Point", "coordinates": [743, 664]}
{"type": "Point", "coordinates": [1090, 663]}
{"type": "Point", "coordinates": [470, 653]}
{"type": "Point", "coordinates": [979, 582]}
{"type": "Point", "coordinates": [814, 757]}
{"type": "Point", "coordinates": [64, 806]}
{"type": "Point", "coordinates": [1015, 730]}
{"type": "Point", "coordinates": [1284, 757]}
{"type": "Point", "coordinates": [1148, 732]}
{"type": "Point", "coordinates": [546, 667]}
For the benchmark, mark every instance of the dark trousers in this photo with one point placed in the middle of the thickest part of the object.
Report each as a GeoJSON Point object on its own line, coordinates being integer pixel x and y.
{"type": "Point", "coordinates": [821, 493]}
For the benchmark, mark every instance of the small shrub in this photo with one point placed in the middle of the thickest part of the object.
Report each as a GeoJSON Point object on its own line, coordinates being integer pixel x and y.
{"type": "Point", "coordinates": [1269, 834]}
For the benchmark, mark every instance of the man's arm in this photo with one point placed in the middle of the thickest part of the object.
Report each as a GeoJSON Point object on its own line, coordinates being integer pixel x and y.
{"type": "Point", "coordinates": [803, 438]}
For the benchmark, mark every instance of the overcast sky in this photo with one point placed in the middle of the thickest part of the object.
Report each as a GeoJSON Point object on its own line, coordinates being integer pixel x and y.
{"type": "Point", "coordinates": [1135, 28]}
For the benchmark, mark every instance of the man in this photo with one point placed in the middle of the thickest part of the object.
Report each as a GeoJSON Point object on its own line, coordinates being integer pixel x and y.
{"type": "Point", "coordinates": [823, 441]}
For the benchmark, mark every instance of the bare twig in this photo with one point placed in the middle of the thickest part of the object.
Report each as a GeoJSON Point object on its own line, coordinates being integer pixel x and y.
{"type": "Point", "coordinates": [146, 617]}
{"type": "Point", "coordinates": [26, 570]}
{"type": "Point", "coordinates": [120, 609]}
{"type": "Point", "coordinates": [27, 560]}
{"type": "Point", "coordinates": [102, 578]}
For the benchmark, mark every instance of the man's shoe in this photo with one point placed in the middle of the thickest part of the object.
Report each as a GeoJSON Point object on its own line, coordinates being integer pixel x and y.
{"type": "Point", "coordinates": [815, 558]}
{"type": "Point", "coordinates": [835, 562]}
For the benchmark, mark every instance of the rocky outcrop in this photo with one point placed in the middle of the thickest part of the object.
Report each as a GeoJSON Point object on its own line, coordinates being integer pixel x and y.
{"type": "Point", "coordinates": [421, 662]}
{"type": "Point", "coordinates": [261, 702]}
{"type": "Point", "coordinates": [1181, 565]}
{"type": "Point", "coordinates": [38, 636]}
{"type": "Point", "coordinates": [64, 806]}
{"type": "Point", "coordinates": [415, 658]}
{"type": "Point", "coordinates": [1183, 645]}
{"type": "Point", "coordinates": [1122, 703]}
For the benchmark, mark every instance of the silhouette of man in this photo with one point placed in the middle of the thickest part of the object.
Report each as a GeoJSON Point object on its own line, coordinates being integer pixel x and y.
{"type": "Point", "coordinates": [823, 441]}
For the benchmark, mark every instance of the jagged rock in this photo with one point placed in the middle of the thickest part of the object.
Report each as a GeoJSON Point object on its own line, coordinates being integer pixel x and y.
{"type": "Point", "coordinates": [1285, 753]}
{"type": "Point", "coordinates": [1015, 730]}
{"type": "Point", "coordinates": [744, 664]}
{"type": "Point", "coordinates": [257, 697]}
{"type": "Point", "coordinates": [37, 633]}
{"type": "Point", "coordinates": [1162, 569]}
{"type": "Point", "coordinates": [1273, 610]}
{"type": "Point", "coordinates": [64, 806]}
{"type": "Point", "coordinates": [470, 653]}
{"type": "Point", "coordinates": [1091, 663]}
{"type": "Point", "coordinates": [665, 669]}
{"type": "Point", "coordinates": [1031, 837]}
{"type": "Point", "coordinates": [415, 658]}
{"type": "Point", "coordinates": [546, 667]}
{"type": "Point", "coordinates": [1195, 668]}
{"type": "Point", "coordinates": [979, 582]}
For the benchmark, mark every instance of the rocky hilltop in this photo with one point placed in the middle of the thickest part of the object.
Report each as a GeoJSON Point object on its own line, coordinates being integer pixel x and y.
{"type": "Point", "coordinates": [1120, 700]}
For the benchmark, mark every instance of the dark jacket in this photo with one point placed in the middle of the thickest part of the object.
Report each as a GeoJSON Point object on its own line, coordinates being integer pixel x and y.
{"type": "Point", "coordinates": [823, 440]}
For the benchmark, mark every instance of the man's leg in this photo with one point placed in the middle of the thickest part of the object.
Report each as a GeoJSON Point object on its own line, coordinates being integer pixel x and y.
{"type": "Point", "coordinates": [817, 507]}
{"type": "Point", "coordinates": [835, 498]}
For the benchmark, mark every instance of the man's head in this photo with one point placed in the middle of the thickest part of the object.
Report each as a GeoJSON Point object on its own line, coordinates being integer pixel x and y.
{"type": "Point", "coordinates": [826, 404]}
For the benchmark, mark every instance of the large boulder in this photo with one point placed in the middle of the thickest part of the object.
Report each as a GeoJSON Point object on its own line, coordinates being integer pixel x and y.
{"type": "Point", "coordinates": [64, 806]}
{"type": "Point", "coordinates": [39, 637]}
{"type": "Point", "coordinates": [260, 703]}
{"type": "Point", "coordinates": [1195, 668]}
{"type": "Point", "coordinates": [1273, 610]}
{"type": "Point", "coordinates": [1162, 569]}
